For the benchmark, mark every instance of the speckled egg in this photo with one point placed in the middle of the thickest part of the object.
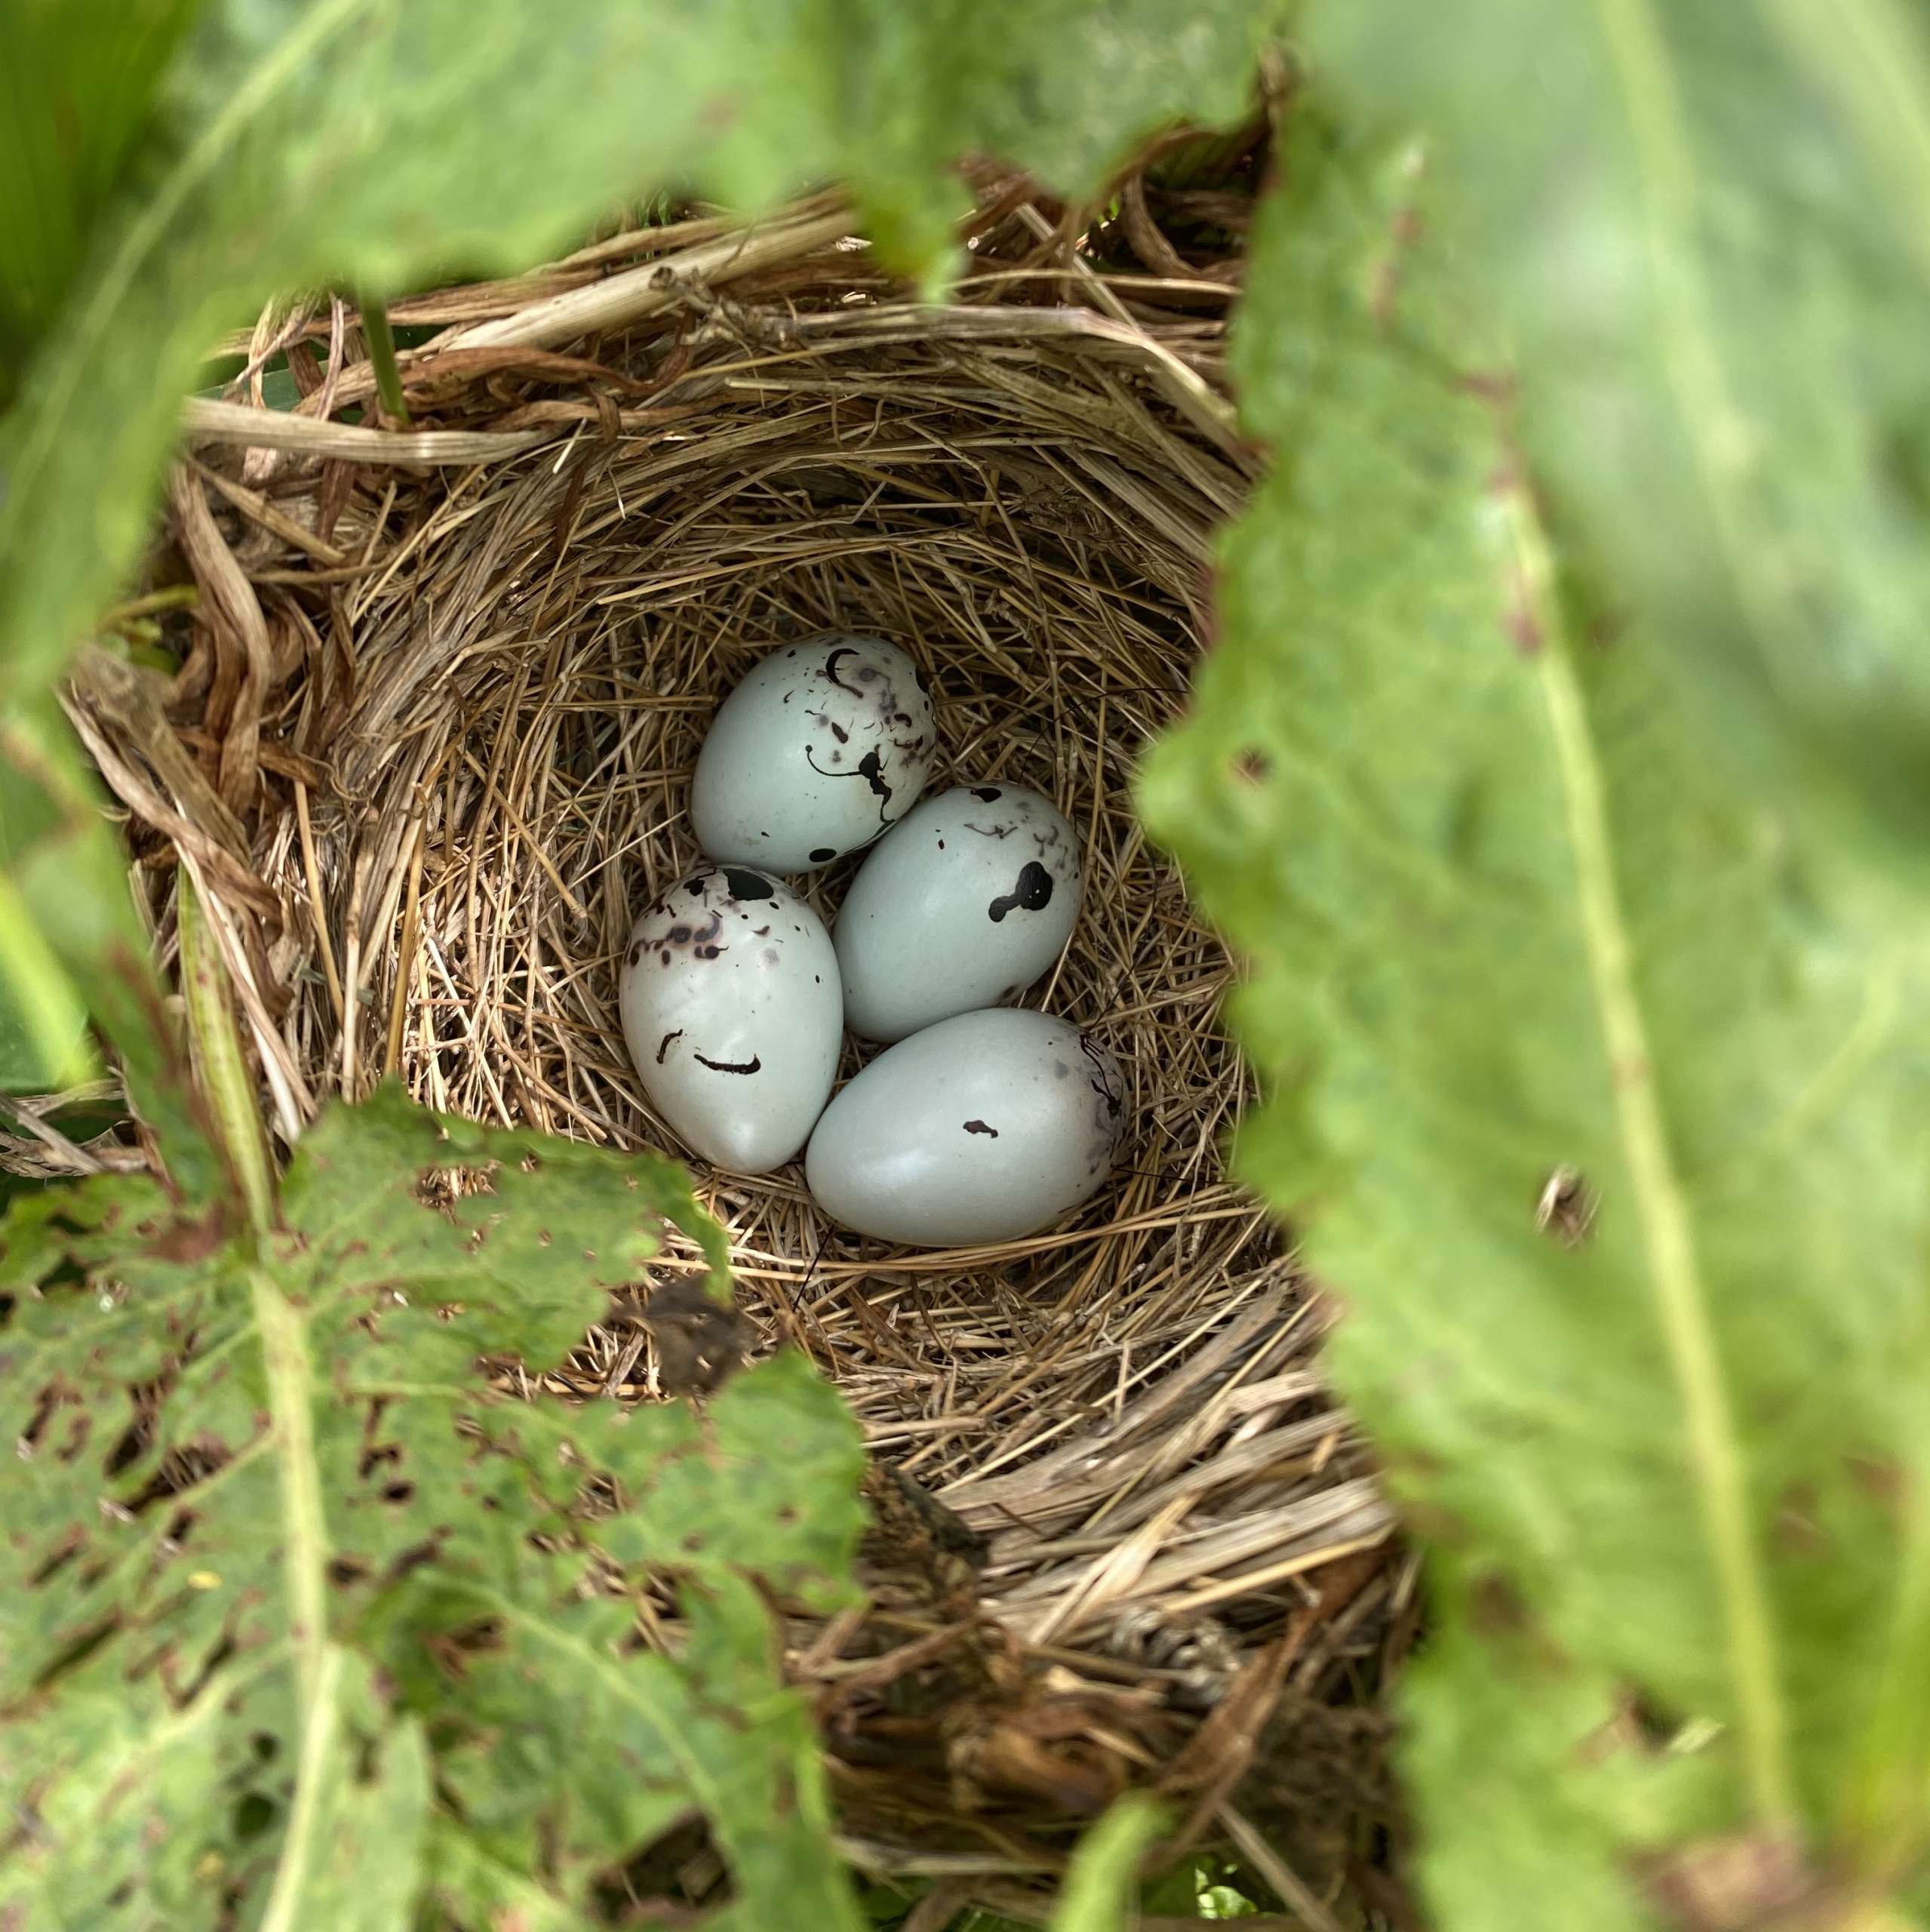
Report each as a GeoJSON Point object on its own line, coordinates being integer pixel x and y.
{"type": "Point", "coordinates": [824, 745]}
{"type": "Point", "coordinates": [982, 1128]}
{"type": "Point", "coordinates": [733, 1013]}
{"type": "Point", "coordinates": [964, 903]}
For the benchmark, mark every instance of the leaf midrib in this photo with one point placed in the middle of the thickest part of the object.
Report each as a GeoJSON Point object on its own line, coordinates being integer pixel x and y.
{"type": "Point", "coordinates": [1715, 428]}
{"type": "Point", "coordinates": [1715, 1456]}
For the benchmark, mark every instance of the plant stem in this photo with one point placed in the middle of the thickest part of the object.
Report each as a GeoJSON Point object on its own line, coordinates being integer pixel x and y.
{"type": "Point", "coordinates": [382, 353]}
{"type": "Point", "coordinates": [285, 1348]}
{"type": "Point", "coordinates": [175, 597]}
{"type": "Point", "coordinates": [224, 1070]}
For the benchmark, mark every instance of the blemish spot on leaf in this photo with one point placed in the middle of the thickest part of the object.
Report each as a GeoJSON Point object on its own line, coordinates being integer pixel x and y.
{"type": "Point", "coordinates": [1735, 1884]}
{"type": "Point", "coordinates": [1565, 1207]}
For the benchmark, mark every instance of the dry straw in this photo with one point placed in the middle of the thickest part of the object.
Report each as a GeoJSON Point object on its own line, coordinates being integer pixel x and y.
{"type": "Point", "coordinates": [429, 755]}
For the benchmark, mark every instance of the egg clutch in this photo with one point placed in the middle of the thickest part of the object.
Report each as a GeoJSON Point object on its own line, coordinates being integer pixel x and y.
{"type": "Point", "coordinates": [979, 1122]}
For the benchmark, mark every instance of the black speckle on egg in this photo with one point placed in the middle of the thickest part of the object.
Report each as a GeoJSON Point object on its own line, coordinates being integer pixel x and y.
{"type": "Point", "coordinates": [695, 887]}
{"type": "Point", "coordinates": [823, 854]}
{"type": "Point", "coordinates": [941, 845]}
{"type": "Point", "coordinates": [979, 1127]}
{"type": "Point", "coordinates": [988, 793]}
{"type": "Point", "coordinates": [665, 955]}
{"type": "Point", "coordinates": [678, 934]}
{"type": "Point", "coordinates": [748, 884]}
{"type": "Point", "coordinates": [636, 953]}
{"type": "Point", "coordinates": [753, 1065]}
{"type": "Point", "coordinates": [1032, 894]}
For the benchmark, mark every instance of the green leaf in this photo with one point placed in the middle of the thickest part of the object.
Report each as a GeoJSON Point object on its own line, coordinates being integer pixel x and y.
{"type": "Point", "coordinates": [77, 78]}
{"type": "Point", "coordinates": [81, 945]}
{"type": "Point", "coordinates": [1102, 1878]}
{"type": "Point", "coordinates": [306, 1623]}
{"type": "Point", "coordinates": [1706, 227]}
{"type": "Point", "coordinates": [43, 1026]}
{"type": "Point", "coordinates": [366, 139]}
{"type": "Point", "coordinates": [1598, 1096]}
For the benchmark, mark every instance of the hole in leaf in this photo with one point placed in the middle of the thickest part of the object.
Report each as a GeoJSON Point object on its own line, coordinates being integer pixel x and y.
{"type": "Point", "coordinates": [398, 1492]}
{"type": "Point", "coordinates": [58, 1561]}
{"type": "Point", "coordinates": [412, 1559]}
{"type": "Point", "coordinates": [254, 1814]}
{"type": "Point", "coordinates": [82, 1648]}
{"type": "Point", "coordinates": [133, 1440]}
{"type": "Point", "coordinates": [666, 1880]}
{"type": "Point", "coordinates": [36, 1424]}
{"type": "Point", "coordinates": [182, 1468]}
{"type": "Point", "coordinates": [183, 1695]}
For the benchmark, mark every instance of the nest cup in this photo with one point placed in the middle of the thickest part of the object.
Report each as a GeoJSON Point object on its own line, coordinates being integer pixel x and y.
{"type": "Point", "coordinates": [430, 754]}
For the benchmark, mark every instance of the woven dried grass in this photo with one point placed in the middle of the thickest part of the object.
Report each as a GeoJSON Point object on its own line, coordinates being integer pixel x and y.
{"type": "Point", "coordinates": [427, 753]}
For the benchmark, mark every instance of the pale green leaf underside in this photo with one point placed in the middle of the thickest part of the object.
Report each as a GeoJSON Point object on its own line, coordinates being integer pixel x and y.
{"type": "Point", "coordinates": [1505, 918]}
{"type": "Point", "coordinates": [314, 1620]}
{"type": "Point", "coordinates": [1706, 227]}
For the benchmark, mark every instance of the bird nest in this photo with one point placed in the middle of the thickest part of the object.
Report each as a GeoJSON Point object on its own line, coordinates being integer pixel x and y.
{"type": "Point", "coordinates": [427, 751]}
